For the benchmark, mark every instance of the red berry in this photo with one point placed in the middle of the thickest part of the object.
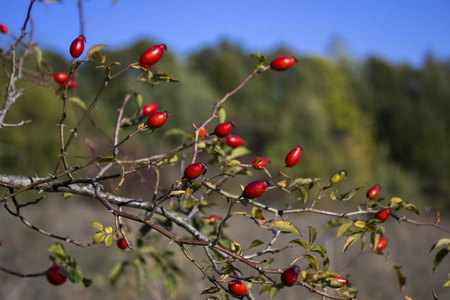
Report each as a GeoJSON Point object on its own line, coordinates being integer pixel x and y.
{"type": "Point", "coordinates": [61, 77]}
{"type": "Point", "coordinates": [157, 119]}
{"type": "Point", "coordinates": [382, 243]}
{"type": "Point", "coordinates": [234, 141]}
{"type": "Point", "coordinates": [152, 55]}
{"type": "Point", "coordinates": [122, 243]}
{"type": "Point", "coordinates": [213, 218]}
{"type": "Point", "coordinates": [290, 276]}
{"type": "Point", "coordinates": [260, 162]}
{"type": "Point", "coordinates": [57, 274]}
{"type": "Point", "coordinates": [71, 84]}
{"type": "Point", "coordinates": [237, 288]}
{"type": "Point", "coordinates": [255, 189]}
{"type": "Point", "coordinates": [383, 214]}
{"type": "Point", "coordinates": [223, 129]}
{"type": "Point", "coordinates": [3, 28]}
{"type": "Point", "coordinates": [338, 282]}
{"type": "Point", "coordinates": [282, 63]}
{"type": "Point", "coordinates": [77, 46]}
{"type": "Point", "coordinates": [194, 170]}
{"type": "Point", "coordinates": [293, 157]}
{"type": "Point", "coordinates": [149, 109]}
{"type": "Point", "coordinates": [202, 132]}
{"type": "Point", "coordinates": [372, 193]}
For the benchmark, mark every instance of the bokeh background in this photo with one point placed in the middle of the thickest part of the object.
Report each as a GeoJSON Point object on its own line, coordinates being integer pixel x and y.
{"type": "Point", "coordinates": [370, 94]}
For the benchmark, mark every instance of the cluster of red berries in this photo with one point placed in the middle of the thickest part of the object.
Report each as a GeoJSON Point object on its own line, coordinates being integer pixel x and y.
{"type": "Point", "coordinates": [62, 78]}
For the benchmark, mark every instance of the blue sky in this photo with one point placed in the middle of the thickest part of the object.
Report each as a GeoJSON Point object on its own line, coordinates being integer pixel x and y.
{"type": "Point", "coordinates": [400, 31]}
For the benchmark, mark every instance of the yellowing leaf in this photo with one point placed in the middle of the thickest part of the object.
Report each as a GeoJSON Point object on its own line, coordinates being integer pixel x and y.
{"type": "Point", "coordinates": [360, 224]}
{"type": "Point", "coordinates": [108, 230]}
{"type": "Point", "coordinates": [108, 240]}
{"type": "Point", "coordinates": [98, 237]}
{"type": "Point", "coordinates": [350, 241]}
{"type": "Point", "coordinates": [97, 226]}
{"type": "Point", "coordinates": [285, 227]}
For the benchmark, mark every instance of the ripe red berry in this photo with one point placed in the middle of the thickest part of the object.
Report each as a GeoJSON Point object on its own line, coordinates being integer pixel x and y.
{"type": "Point", "coordinates": [293, 157]}
{"type": "Point", "coordinates": [149, 109]}
{"type": "Point", "coordinates": [282, 63]}
{"type": "Point", "coordinates": [122, 243]}
{"type": "Point", "coordinates": [3, 28]}
{"type": "Point", "coordinates": [382, 243]}
{"type": "Point", "coordinates": [383, 214]}
{"type": "Point", "coordinates": [194, 170]}
{"type": "Point", "coordinates": [202, 132]}
{"type": "Point", "coordinates": [260, 162]}
{"type": "Point", "coordinates": [338, 282]}
{"type": "Point", "coordinates": [77, 46]}
{"type": "Point", "coordinates": [152, 55]}
{"type": "Point", "coordinates": [71, 84]}
{"type": "Point", "coordinates": [157, 119]}
{"type": "Point", "coordinates": [61, 77]}
{"type": "Point", "coordinates": [237, 288]}
{"type": "Point", "coordinates": [213, 218]}
{"type": "Point", "coordinates": [223, 129]}
{"type": "Point", "coordinates": [57, 274]}
{"type": "Point", "coordinates": [290, 276]}
{"type": "Point", "coordinates": [234, 141]}
{"type": "Point", "coordinates": [372, 193]}
{"type": "Point", "coordinates": [255, 189]}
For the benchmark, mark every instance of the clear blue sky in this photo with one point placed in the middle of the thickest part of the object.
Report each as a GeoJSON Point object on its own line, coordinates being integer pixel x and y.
{"type": "Point", "coordinates": [396, 30]}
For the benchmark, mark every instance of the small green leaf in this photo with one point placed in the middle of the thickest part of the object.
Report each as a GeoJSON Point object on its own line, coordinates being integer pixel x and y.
{"type": "Point", "coordinates": [231, 163]}
{"type": "Point", "coordinates": [301, 243]}
{"type": "Point", "coordinates": [58, 250]}
{"type": "Point", "coordinates": [222, 115]}
{"type": "Point", "coordinates": [94, 54]}
{"type": "Point", "coordinates": [258, 213]}
{"type": "Point", "coordinates": [303, 193]}
{"type": "Point", "coordinates": [75, 275]}
{"type": "Point", "coordinates": [210, 290]}
{"type": "Point", "coordinates": [235, 247]}
{"type": "Point", "coordinates": [447, 282]}
{"type": "Point", "coordinates": [312, 234]}
{"type": "Point", "coordinates": [360, 224]}
{"type": "Point", "coordinates": [440, 256]}
{"type": "Point", "coordinates": [273, 290]}
{"type": "Point", "coordinates": [97, 226]}
{"type": "Point", "coordinates": [343, 229]}
{"type": "Point", "coordinates": [265, 289]}
{"type": "Point", "coordinates": [332, 224]}
{"type": "Point", "coordinates": [67, 195]}
{"type": "Point", "coordinates": [108, 240]}
{"type": "Point", "coordinates": [77, 101]}
{"type": "Point", "coordinates": [255, 243]}
{"type": "Point", "coordinates": [441, 243]}
{"type": "Point", "coordinates": [108, 159]}
{"type": "Point", "coordinates": [116, 272]}
{"type": "Point", "coordinates": [350, 241]}
{"type": "Point", "coordinates": [38, 53]}
{"type": "Point", "coordinates": [175, 131]}
{"type": "Point", "coordinates": [285, 227]}
{"type": "Point", "coordinates": [312, 260]}
{"type": "Point", "coordinates": [237, 152]}
{"type": "Point", "coordinates": [98, 237]}
{"type": "Point", "coordinates": [374, 237]}
{"type": "Point", "coordinates": [86, 281]}
{"type": "Point", "coordinates": [400, 276]}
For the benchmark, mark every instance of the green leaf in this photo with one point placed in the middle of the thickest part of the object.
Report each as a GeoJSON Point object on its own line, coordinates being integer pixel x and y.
{"type": "Point", "coordinates": [360, 224]}
{"type": "Point", "coordinates": [235, 247]}
{"type": "Point", "coordinates": [350, 241]}
{"type": "Point", "coordinates": [94, 54]}
{"type": "Point", "coordinates": [312, 260]}
{"type": "Point", "coordinates": [237, 152]}
{"type": "Point", "coordinates": [374, 238]}
{"type": "Point", "coordinates": [265, 289]}
{"type": "Point", "coordinates": [58, 250]}
{"type": "Point", "coordinates": [108, 240]}
{"type": "Point", "coordinates": [77, 101]}
{"type": "Point", "coordinates": [332, 224]}
{"type": "Point", "coordinates": [301, 243]}
{"type": "Point", "coordinates": [175, 131]}
{"type": "Point", "coordinates": [231, 163]}
{"type": "Point", "coordinates": [303, 193]}
{"type": "Point", "coordinates": [400, 276]}
{"type": "Point", "coordinates": [447, 282]}
{"type": "Point", "coordinates": [259, 57]}
{"type": "Point", "coordinates": [285, 227]}
{"type": "Point", "coordinates": [38, 53]}
{"type": "Point", "coordinates": [343, 229]}
{"type": "Point", "coordinates": [255, 243]}
{"type": "Point", "coordinates": [75, 275]}
{"type": "Point", "coordinates": [171, 285]}
{"type": "Point", "coordinates": [440, 256]}
{"type": "Point", "coordinates": [210, 290]}
{"type": "Point", "coordinates": [444, 242]}
{"type": "Point", "coordinates": [67, 195]}
{"type": "Point", "coordinates": [312, 234]}
{"type": "Point", "coordinates": [164, 76]}
{"type": "Point", "coordinates": [97, 226]}
{"type": "Point", "coordinates": [108, 159]}
{"type": "Point", "coordinates": [98, 237]}
{"type": "Point", "coordinates": [349, 195]}
{"type": "Point", "coordinates": [116, 272]}
{"type": "Point", "coordinates": [222, 115]}
{"type": "Point", "coordinates": [273, 290]}
{"type": "Point", "coordinates": [86, 281]}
